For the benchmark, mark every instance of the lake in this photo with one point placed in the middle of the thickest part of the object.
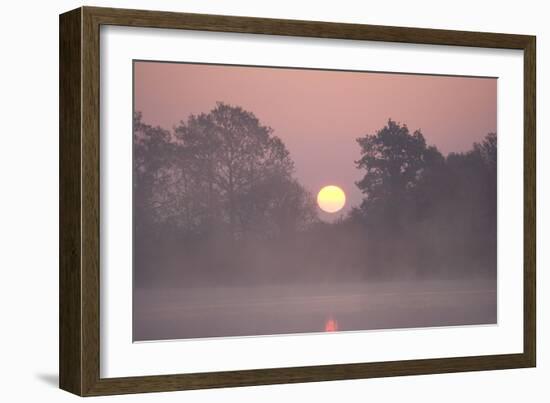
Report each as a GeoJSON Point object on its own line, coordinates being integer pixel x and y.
{"type": "Point", "coordinates": [204, 312]}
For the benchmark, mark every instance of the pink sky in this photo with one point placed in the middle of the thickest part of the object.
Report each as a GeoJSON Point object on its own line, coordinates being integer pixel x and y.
{"type": "Point", "coordinates": [319, 114]}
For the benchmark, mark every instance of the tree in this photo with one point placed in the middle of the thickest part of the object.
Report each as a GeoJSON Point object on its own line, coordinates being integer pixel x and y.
{"type": "Point", "coordinates": [395, 162]}
{"type": "Point", "coordinates": [237, 174]}
{"type": "Point", "coordinates": [221, 181]}
{"type": "Point", "coordinates": [472, 202]}
{"type": "Point", "coordinates": [426, 214]}
{"type": "Point", "coordinates": [151, 147]}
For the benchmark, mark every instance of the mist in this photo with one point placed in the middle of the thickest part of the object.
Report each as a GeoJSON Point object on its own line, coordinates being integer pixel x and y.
{"type": "Point", "coordinates": [229, 242]}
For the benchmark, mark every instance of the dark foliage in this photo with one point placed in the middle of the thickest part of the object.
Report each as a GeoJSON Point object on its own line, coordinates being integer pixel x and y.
{"type": "Point", "coordinates": [215, 201]}
{"type": "Point", "coordinates": [425, 214]}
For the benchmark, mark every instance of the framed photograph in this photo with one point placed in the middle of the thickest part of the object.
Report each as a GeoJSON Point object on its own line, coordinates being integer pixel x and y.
{"type": "Point", "coordinates": [249, 201]}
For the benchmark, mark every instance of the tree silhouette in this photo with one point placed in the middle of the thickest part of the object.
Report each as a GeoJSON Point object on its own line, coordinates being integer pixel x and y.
{"type": "Point", "coordinates": [225, 171]}
{"type": "Point", "coordinates": [242, 171]}
{"type": "Point", "coordinates": [215, 199]}
{"type": "Point", "coordinates": [425, 214]}
{"type": "Point", "coordinates": [151, 148]}
{"type": "Point", "coordinates": [395, 161]}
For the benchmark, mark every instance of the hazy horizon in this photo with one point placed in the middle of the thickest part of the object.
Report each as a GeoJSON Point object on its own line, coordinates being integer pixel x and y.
{"type": "Point", "coordinates": [319, 113]}
{"type": "Point", "coordinates": [229, 238]}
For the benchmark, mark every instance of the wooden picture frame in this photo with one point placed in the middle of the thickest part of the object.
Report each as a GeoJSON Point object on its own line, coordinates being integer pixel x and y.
{"type": "Point", "coordinates": [79, 348]}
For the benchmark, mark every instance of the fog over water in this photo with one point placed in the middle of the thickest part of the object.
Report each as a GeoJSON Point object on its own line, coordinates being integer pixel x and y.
{"type": "Point", "coordinates": [271, 310]}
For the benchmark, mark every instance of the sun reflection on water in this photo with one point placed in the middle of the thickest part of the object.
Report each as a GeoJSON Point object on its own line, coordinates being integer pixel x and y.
{"type": "Point", "coordinates": [331, 325]}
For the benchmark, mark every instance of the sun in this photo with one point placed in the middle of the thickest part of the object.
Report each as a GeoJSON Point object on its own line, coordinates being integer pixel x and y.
{"type": "Point", "coordinates": [331, 199]}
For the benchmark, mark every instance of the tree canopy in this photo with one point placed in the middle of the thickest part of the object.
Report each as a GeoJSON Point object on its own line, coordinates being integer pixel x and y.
{"type": "Point", "coordinates": [395, 162]}
{"type": "Point", "coordinates": [224, 171]}
{"type": "Point", "coordinates": [423, 211]}
{"type": "Point", "coordinates": [218, 194]}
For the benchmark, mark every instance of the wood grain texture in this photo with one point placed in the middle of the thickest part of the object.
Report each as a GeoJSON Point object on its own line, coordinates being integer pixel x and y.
{"type": "Point", "coordinates": [530, 199]}
{"type": "Point", "coordinates": [316, 29]}
{"type": "Point", "coordinates": [80, 201]}
{"type": "Point", "coordinates": [90, 202]}
{"type": "Point", "coordinates": [70, 313]}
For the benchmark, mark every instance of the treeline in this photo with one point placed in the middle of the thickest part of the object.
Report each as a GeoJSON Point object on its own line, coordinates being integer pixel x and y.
{"type": "Point", "coordinates": [426, 214]}
{"type": "Point", "coordinates": [210, 192]}
{"type": "Point", "coordinates": [216, 201]}
{"type": "Point", "coordinates": [219, 171]}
